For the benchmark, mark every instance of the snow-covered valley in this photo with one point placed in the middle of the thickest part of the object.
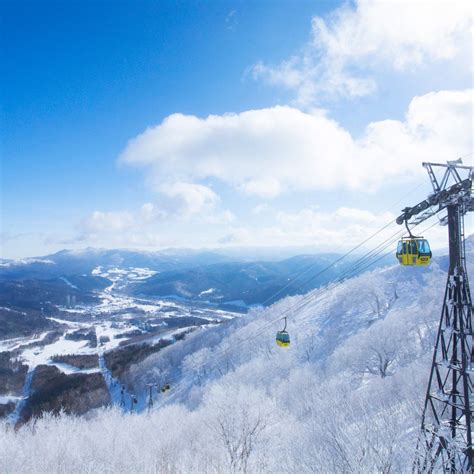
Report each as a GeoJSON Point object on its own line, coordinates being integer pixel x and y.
{"type": "Point", "coordinates": [85, 337]}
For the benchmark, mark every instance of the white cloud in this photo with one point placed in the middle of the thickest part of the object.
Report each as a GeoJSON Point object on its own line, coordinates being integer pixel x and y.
{"type": "Point", "coordinates": [231, 20]}
{"type": "Point", "coordinates": [119, 221]}
{"type": "Point", "coordinates": [370, 36]}
{"type": "Point", "coordinates": [108, 221]}
{"type": "Point", "coordinates": [190, 199]}
{"type": "Point", "coordinates": [182, 203]}
{"type": "Point", "coordinates": [265, 152]}
{"type": "Point", "coordinates": [238, 235]}
{"type": "Point", "coordinates": [265, 187]}
{"type": "Point", "coordinates": [260, 209]}
{"type": "Point", "coordinates": [338, 230]}
{"type": "Point", "coordinates": [344, 227]}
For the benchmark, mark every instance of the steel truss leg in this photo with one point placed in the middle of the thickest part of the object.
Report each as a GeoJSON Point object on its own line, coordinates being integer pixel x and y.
{"type": "Point", "coordinates": [445, 441]}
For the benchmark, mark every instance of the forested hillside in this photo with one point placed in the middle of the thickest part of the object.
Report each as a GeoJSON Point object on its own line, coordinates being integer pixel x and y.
{"type": "Point", "coordinates": [346, 396]}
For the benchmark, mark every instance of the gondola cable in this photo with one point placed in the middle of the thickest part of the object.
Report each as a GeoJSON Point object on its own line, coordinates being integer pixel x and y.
{"type": "Point", "coordinates": [313, 297]}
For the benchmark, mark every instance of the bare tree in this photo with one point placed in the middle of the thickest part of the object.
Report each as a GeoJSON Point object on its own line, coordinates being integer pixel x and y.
{"type": "Point", "coordinates": [239, 439]}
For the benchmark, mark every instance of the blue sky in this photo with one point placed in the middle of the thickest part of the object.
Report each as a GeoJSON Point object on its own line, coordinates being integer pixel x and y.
{"type": "Point", "coordinates": [82, 81]}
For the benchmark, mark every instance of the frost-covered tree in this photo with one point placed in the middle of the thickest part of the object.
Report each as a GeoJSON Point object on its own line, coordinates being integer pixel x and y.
{"type": "Point", "coordinates": [346, 396]}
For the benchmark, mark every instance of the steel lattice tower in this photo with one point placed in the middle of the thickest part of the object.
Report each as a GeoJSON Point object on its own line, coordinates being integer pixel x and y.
{"type": "Point", "coordinates": [445, 440]}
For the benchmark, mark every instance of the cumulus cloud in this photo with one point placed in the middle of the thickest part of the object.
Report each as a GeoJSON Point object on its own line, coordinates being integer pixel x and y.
{"type": "Point", "coordinates": [372, 35]}
{"type": "Point", "coordinates": [264, 187]}
{"type": "Point", "coordinates": [344, 227]}
{"type": "Point", "coordinates": [268, 151]}
{"type": "Point", "coordinates": [181, 203]}
{"type": "Point", "coordinates": [341, 228]}
{"type": "Point", "coordinates": [108, 221]}
{"type": "Point", "coordinates": [260, 209]}
{"type": "Point", "coordinates": [104, 222]}
{"type": "Point", "coordinates": [188, 199]}
{"type": "Point", "coordinates": [338, 230]}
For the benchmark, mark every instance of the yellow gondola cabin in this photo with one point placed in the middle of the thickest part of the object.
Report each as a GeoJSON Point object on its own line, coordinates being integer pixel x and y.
{"type": "Point", "coordinates": [413, 251]}
{"type": "Point", "coordinates": [282, 337]}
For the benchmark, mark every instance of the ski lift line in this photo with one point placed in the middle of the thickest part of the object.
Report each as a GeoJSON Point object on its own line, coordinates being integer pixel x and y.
{"type": "Point", "coordinates": [362, 264]}
{"type": "Point", "coordinates": [315, 293]}
{"type": "Point", "coordinates": [180, 387]}
{"type": "Point", "coordinates": [306, 270]}
{"type": "Point", "coordinates": [310, 298]}
{"type": "Point", "coordinates": [325, 269]}
{"type": "Point", "coordinates": [306, 321]}
{"type": "Point", "coordinates": [360, 261]}
{"type": "Point", "coordinates": [320, 296]}
{"type": "Point", "coordinates": [351, 273]}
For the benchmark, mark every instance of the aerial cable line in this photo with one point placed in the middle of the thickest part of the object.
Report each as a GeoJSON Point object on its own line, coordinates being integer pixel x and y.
{"type": "Point", "coordinates": [398, 233]}
{"type": "Point", "coordinates": [360, 265]}
{"type": "Point", "coordinates": [183, 384]}
{"type": "Point", "coordinates": [306, 270]}
{"type": "Point", "coordinates": [363, 263]}
{"type": "Point", "coordinates": [325, 269]}
{"type": "Point", "coordinates": [316, 294]}
{"type": "Point", "coordinates": [314, 298]}
{"type": "Point", "coordinates": [354, 269]}
{"type": "Point", "coordinates": [362, 270]}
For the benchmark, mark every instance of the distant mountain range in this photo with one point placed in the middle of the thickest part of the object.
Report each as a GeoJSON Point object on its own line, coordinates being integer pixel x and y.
{"type": "Point", "coordinates": [243, 283]}
{"type": "Point", "coordinates": [209, 276]}
{"type": "Point", "coordinates": [82, 262]}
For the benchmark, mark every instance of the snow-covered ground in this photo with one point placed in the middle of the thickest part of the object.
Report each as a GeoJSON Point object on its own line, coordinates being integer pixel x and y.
{"type": "Point", "coordinates": [9, 398]}
{"type": "Point", "coordinates": [12, 344]}
{"type": "Point", "coordinates": [21, 401]}
{"type": "Point", "coordinates": [71, 369]}
{"type": "Point", "coordinates": [35, 356]}
{"type": "Point", "coordinates": [112, 319]}
{"type": "Point", "coordinates": [68, 283]}
{"type": "Point", "coordinates": [26, 261]}
{"type": "Point", "coordinates": [4, 308]}
{"type": "Point", "coordinates": [122, 276]}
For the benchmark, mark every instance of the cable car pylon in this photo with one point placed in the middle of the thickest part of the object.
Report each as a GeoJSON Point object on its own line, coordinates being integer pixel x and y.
{"type": "Point", "coordinates": [150, 396]}
{"type": "Point", "coordinates": [445, 439]}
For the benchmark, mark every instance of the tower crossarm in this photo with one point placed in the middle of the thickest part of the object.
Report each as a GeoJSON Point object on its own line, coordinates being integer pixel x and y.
{"type": "Point", "coordinates": [458, 193]}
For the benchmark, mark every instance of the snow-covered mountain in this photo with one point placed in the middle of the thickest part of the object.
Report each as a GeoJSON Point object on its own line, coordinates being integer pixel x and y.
{"type": "Point", "coordinates": [83, 261]}
{"type": "Point", "coordinates": [346, 396]}
{"type": "Point", "coordinates": [197, 276]}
